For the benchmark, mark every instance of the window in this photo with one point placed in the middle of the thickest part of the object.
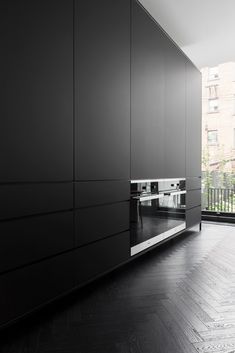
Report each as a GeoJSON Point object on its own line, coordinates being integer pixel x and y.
{"type": "Point", "coordinates": [218, 138]}
{"type": "Point", "coordinates": [213, 105]}
{"type": "Point", "coordinates": [212, 137]}
{"type": "Point", "coordinates": [213, 91]}
{"type": "Point", "coordinates": [234, 138]}
{"type": "Point", "coordinates": [213, 73]}
{"type": "Point", "coordinates": [234, 105]}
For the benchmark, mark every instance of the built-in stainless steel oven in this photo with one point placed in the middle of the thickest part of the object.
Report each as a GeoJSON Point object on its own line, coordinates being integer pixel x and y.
{"type": "Point", "coordinates": [157, 211]}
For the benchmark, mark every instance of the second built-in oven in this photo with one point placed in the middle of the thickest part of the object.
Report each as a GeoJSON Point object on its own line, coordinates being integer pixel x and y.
{"type": "Point", "coordinates": [157, 211]}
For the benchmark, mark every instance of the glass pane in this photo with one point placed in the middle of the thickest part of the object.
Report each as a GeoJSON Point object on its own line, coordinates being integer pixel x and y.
{"type": "Point", "coordinates": [212, 137]}
{"type": "Point", "coordinates": [213, 105]}
{"type": "Point", "coordinates": [213, 73]}
{"type": "Point", "coordinates": [218, 140]}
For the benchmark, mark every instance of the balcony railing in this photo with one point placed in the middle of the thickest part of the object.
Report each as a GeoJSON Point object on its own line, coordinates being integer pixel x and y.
{"type": "Point", "coordinates": [219, 200]}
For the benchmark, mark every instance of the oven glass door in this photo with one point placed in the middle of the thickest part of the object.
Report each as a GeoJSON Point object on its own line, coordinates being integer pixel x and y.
{"type": "Point", "coordinates": [154, 217]}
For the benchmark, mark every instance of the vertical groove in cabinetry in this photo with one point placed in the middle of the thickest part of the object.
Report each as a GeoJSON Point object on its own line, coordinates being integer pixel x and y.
{"type": "Point", "coordinates": [185, 123]}
{"type": "Point", "coordinates": [131, 8]}
{"type": "Point", "coordinates": [75, 89]}
{"type": "Point", "coordinates": [74, 105]}
{"type": "Point", "coordinates": [74, 113]}
{"type": "Point", "coordinates": [164, 104]}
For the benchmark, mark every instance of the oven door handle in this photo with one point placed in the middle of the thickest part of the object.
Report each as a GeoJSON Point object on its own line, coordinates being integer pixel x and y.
{"type": "Point", "coordinates": [175, 193]}
{"type": "Point", "coordinates": [149, 197]}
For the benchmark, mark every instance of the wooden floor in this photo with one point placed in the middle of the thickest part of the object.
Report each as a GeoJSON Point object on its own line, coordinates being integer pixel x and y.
{"type": "Point", "coordinates": [179, 298]}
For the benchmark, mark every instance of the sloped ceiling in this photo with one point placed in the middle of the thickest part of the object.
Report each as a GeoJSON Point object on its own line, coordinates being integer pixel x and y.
{"type": "Point", "coordinates": [203, 29]}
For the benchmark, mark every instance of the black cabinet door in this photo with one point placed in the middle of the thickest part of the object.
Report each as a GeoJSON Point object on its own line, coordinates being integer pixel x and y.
{"type": "Point", "coordinates": [193, 198]}
{"type": "Point", "coordinates": [193, 121]}
{"type": "Point", "coordinates": [94, 193]}
{"type": "Point", "coordinates": [26, 199]}
{"type": "Point", "coordinates": [96, 223]}
{"type": "Point", "coordinates": [174, 141]}
{"type": "Point", "coordinates": [27, 288]}
{"type": "Point", "coordinates": [147, 96]}
{"type": "Point", "coordinates": [102, 64]}
{"type": "Point", "coordinates": [193, 216]}
{"type": "Point", "coordinates": [95, 259]}
{"type": "Point", "coordinates": [36, 130]}
{"type": "Point", "coordinates": [30, 239]}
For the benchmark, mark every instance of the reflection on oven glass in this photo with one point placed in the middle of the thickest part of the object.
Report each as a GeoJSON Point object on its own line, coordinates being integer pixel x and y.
{"type": "Point", "coordinates": [157, 207]}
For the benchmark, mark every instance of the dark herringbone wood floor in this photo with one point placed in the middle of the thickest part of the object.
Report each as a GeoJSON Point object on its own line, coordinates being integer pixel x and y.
{"type": "Point", "coordinates": [179, 298]}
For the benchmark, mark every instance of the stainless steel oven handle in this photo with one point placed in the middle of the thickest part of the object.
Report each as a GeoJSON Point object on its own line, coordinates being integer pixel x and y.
{"type": "Point", "coordinates": [149, 197]}
{"type": "Point", "coordinates": [175, 193]}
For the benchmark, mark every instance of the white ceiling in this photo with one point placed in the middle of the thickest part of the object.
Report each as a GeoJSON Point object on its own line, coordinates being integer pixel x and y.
{"type": "Point", "coordinates": [203, 29]}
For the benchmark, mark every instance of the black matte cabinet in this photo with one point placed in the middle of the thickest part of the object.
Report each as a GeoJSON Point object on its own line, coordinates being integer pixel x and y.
{"type": "Point", "coordinates": [193, 216]}
{"type": "Point", "coordinates": [193, 121]}
{"type": "Point", "coordinates": [28, 288]}
{"type": "Point", "coordinates": [175, 97]}
{"type": "Point", "coordinates": [95, 94]}
{"type": "Point", "coordinates": [147, 96]}
{"type": "Point", "coordinates": [32, 239]}
{"type": "Point", "coordinates": [96, 223]}
{"type": "Point", "coordinates": [102, 89]}
{"type": "Point", "coordinates": [99, 257]}
{"type": "Point", "coordinates": [36, 129]}
{"type": "Point", "coordinates": [27, 199]}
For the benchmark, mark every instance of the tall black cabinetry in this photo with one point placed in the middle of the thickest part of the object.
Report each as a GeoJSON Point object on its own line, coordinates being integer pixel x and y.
{"type": "Point", "coordinates": [158, 74]}
{"type": "Point", "coordinates": [102, 89]}
{"type": "Point", "coordinates": [193, 122]}
{"type": "Point", "coordinates": [37, 118]}
{"type": "Point", "coordinates": [193, 145]}
{"type": "Point", "coordinates": [65, 148]}
{"type": "Point", "coordinates": [102, 135]}
{"type": "Point", "coordinates": [175, 100]}
{"type": "Point", "coordinates": [165, 110]}
{"type": "Point", "coordinates": [36, 153]}
{"type": "Point", "coordinates": [96, 94]}
{"type": "Point", "coordinates": [147, 96]}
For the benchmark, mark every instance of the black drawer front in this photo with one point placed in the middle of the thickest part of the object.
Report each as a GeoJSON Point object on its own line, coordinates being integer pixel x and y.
{"type": "Point", "coordinates": [193, 216]}
{"type": "Point", "coordinates": [28, 199]}
{"type": "Point", "coordinates": [29, 239]}
{"type": "Point", "coordinates": [193, 198]}
{"type": "Point", "coordinates": [95, 223]}
{"type": "Point", "coordinates": [193, 183]}
{"type": "Point", "coordinates": [93, 193]}
{"type": "Point", "coordinates": [26, 288]}
{"type": "Point", "coordinates": [96, 258]}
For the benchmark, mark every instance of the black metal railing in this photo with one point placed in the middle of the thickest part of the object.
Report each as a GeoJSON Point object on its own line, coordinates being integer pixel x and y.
{"type": "Point", "coordinates": [220, 200]}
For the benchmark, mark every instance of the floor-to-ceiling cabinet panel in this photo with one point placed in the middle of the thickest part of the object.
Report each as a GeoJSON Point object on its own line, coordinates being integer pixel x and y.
{"type": "Point", "coordinates": [193, 121]}
{"type": "Point", "coordinates": [36, 153]}
{"type": "Point", "coordinates": [174, 137]}
{"type": "Point", "coordinates": [193, 144]}
{"type": "Point", "coordinates": [102, 89]}
{"type": "Point", "coordinates": [147, 96]}
{"type": "Point", "coordinates": [36, 129]}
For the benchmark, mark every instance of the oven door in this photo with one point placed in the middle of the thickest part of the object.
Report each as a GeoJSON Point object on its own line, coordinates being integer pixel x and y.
{"type": "Point", "coordinates": [155, 217]}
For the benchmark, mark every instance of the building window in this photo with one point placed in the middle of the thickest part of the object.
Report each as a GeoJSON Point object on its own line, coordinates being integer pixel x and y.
{"type": "Point", "coordinates": [234, 138]}
{"type": "Point", "coordinates": [213, 73]}
{"type": "Point", "coordinates": [213, 105]}
{"type": "Point", "coordinates": [212, 137]}
{"type": "Point", "coordinates": [213, 91]}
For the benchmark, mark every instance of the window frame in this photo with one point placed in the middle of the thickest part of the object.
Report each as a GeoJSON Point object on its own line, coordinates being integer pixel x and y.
{"type": "Point", "coordinates": [212, 143]}
{"type": "Point", "coordinates": [213, 76]}
{"type": "Point", "coordinates": [212, 109]}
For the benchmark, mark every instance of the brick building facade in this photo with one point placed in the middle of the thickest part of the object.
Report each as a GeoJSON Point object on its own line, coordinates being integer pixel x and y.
{"type": "Point", "coordinates": [218, 117]}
